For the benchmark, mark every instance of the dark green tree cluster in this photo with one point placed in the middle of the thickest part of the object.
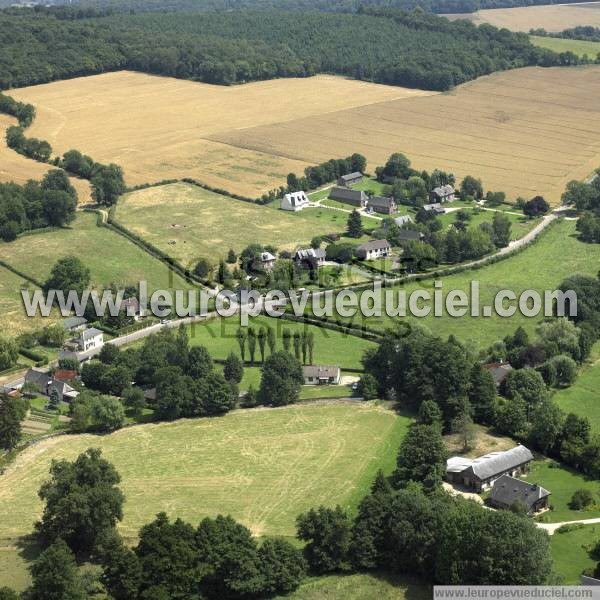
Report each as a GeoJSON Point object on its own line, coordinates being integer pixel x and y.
{"type": "Point", "coordinates": [585, 198]}
{"type": "Point", "coordinates": [12, 412]}
{"type": "Point", "coordinates": [33, 148]}
{"type": "Point", "coordinates": [226, 47]}
{"type": "Point", "coordinates": [35, 205]}
{"type": "Point", "coordinates": [281, 380]}
{"type": "Point", "coordinates": [24, 113]}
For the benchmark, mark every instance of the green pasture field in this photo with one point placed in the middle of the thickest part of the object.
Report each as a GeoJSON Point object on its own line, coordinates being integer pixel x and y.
{"type": "Point", "coordinates": [189, 222]}
{"type": "Point", "coordinates": [562, 482]}
{"type": "Point", "coordinates": [579, 47]}
{"type": "Point", "coordinates": [360, 586]}
{"type": "Point", "coordinates": [583, 397]}
{"type": "Point", "coordinates": [331, 347]}
{"type": "Point", "coordinates": [570, 552]}
{"type": "Point", "coordinates": [262, 466]}
{"type": "Point", "coordinates": [111, 258]}
{"type": "Point", "coordinates": [542, 266]}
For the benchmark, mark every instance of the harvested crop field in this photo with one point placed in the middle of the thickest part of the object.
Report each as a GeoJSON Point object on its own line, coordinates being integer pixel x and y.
{"type": "Point", "coordinates": [17, 168]}
{"type": "Point", "coordinates": [548, 17]}
{"type": "Point", "coordinates": [527, 131]}
{"type": "Point", "coordinates": [262, 466]}
{"type": "Point", "coordinates": [159, 128]}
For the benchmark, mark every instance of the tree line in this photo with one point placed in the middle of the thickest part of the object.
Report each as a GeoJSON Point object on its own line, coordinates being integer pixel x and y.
{"type": "Point", "coordinates": [586, 33]}
{"type": "Point", "coordinates": [387, 46]}
{"type": "Point", "coordinates": [585, 199]}
{"type": "Point", "coordinates": [50, 202]}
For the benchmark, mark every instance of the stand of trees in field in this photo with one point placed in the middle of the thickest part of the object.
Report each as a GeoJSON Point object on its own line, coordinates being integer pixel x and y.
{"type": "Point", "coordinates": [36, 205]}
{"type": "Point", "coordinates": [585, 198]}
{"type": "Point", "coordinates": [586, 33]}
{"type": "Point", "coordinates": [383, 45]}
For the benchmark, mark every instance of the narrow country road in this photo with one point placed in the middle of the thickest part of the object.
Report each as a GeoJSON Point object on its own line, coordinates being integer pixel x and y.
{"type": "Point", "coordinates": [552, 527]}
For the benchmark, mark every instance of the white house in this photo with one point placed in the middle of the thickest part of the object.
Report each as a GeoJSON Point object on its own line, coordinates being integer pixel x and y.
{"type": "Point", "coordinates": [374, 249]}
{"type": "Point", "coordinates": [90, 339]}
{"type": "Point", "coordinates": [294, 201]}
{"type": "Point", "coordinates": [320, 375]}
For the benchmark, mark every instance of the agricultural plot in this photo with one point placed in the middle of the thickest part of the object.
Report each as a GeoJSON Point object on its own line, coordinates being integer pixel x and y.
{"type": "Point", "coordinates": [579, 47]}
{"type": "Point", "coordinates": [526, 131]}
{"type": "Point", "coordinates": [330, 347]}
{"type": "Point", "coordinates": [159, 128]}
{"type": "Point", "coordinates": [188, 222]}
{"type": "Point", "coordinates": [583, 397]}
{"type": "Point", "coordinates": [262, 466]}
{"type": "Point", "coordinates": [111, 258]}
{"type": "Point", "coordinates": [554, 256]}
{"type": "Point", "coordinates": [17, 168]}
{"type": "Point", "coordinates": [548, 17]}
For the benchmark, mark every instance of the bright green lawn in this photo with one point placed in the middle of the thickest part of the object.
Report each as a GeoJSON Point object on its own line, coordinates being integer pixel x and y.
{"type": "Point", "coordinates": [110, 257]}
{"type": "Point", "coordinates": [562, 482]}
{"type": "Point", "coordinates": [554, 256]}
{"type": "Point", "coordinates": [331, 347]}
{"type": "Point", "coordinates": [579, 47]}
{"type": "Point", "coordinates": [583, 397]}
{"type": "Point", "coordinates": [360, 587]}
{"type": "Point", "coordinates": [570, 552]}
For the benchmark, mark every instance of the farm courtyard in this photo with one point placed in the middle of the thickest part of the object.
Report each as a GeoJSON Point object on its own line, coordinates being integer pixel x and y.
{"type": "Point", "coordinates": [526, 131]}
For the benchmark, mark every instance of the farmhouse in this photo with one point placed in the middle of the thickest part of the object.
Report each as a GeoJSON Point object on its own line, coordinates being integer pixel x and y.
{"type": "Point", "coordinates": [319, 375]}
{"type": "Point", "coordinates": [350, 179]}
{"type": "Point", "coordinates": [382, 204]}
{"type": "Point", "coordinates": [436, 208]}
{"type": "Point", "coordinates": [409, 235]}
{"type": "Point", "coordinates": [498, 371]}
{"type": "Point", "coordinates": [44, 384]}
{"type": "Point", "coordinates": [507, 491]}
{"type": "Point", "coordinates": [480, 473]}
{"type": "Point", "coordinates": [311, 257]}
{"type": "Point", "coordinates": [403, 220]}
{"type": "Point", "coordinates": [444, 193]}
{"type": "Point", "coordinates": [374, 249]}
{"type": "Point", "coordinates": [295, 201]}
{"type": "Point", "coordinates": [352, 197]}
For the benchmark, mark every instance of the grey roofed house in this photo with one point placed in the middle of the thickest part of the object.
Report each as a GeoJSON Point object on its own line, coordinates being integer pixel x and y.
{"type": "Point", "coordinates": [409, 235]}
{"type": "Point", "coordinates": [436, 207]}
{"type": "Point", "coordinates": [91, 333]}
{"type": "Point", "coordinates": [481, 472]}
{"type": "Point", "coordinates": [73, 323]}
{"type": "Point", "coordinates": [507, 490]}
{"type": "Point", "coordinates": [311, 256]}
{"type": "Point", "coordinates": [317, 374]}
{"type": "Point", "coordinates": [44, 383]}
{"type": "Point", "coordinates": [373, 249]}
{"type": "Point", "coordinates": [382, 204]}
{"type": "Point", "coordinates": [443, 193]}
{"type": "Point", "coordinates": [498, 371]}
{"type": "Point", "coordinates": [350, 178]}
{"type": "Point", "coordinates": [353, 197]}
{"type": "Point", "coordinates": [403, 220]}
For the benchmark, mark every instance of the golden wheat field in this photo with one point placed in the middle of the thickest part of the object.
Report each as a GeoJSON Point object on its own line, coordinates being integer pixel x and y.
{"type": "Point", "coordinates": [159, 128]}
{"type": "Point", "coordinates": [17, 168]}
{"type": "Point", "coordinates": [527, 131]}
{"type": "Point", "coordinates": [548, 17]}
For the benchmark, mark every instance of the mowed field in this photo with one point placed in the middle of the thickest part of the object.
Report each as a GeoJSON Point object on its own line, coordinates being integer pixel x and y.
{"type": "Point", "coordinates": [17, 168]}
{"type": "Point", "coordinates": [553, 257]}
{"type": "Point", "coordinates": [526, 132]}
{"type": "Point", "coordinates": [188, 222]}
{"type": "Point", "coordinates": [548, 17]}
{"type": "Point", "coordinates": [262, 466]}
{"type": "Point", "coordinates": [160, 128]}
{"type": "Point", "coordinates": [579, 47]}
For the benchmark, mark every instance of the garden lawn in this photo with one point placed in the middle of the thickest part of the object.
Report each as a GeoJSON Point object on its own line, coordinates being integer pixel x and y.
{"type": "Point", "coordinates": [562, 482]}
{"type": "Point", "coordinates": [555, 255]}
{"type": "Point", "coordinates": [570, 552]}
{"type": "Point", "coordinates": [331, 348]}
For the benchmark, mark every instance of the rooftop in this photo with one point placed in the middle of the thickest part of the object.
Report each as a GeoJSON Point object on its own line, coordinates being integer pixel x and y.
{"type": "Point", "coordinates": [508, 490]}
{"type": "Point", "coordinates": [374, 245]}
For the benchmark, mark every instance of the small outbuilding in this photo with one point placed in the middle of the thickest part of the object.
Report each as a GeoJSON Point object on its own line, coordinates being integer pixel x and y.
{"type": "Point", "coordinates": [435, 208]}
{"type": "Point", "coordinates": [409, 235]}
{"type": "Point", "coordinates": [350, 179]}
{"type": "Point", "coordinates": [498, 371]}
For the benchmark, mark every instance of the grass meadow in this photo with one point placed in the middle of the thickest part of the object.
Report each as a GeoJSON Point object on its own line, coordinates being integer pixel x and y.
{"type": "Point", "coordinates": [189, 222]}
{"type": "Point", "coordinates": [554, 256]}
{"type": "Point", "coordinates": [331, 347]}
{"type": "Point", "coordinates": [570, 552]}
{"type": "Point", "coordinates": [583, 397]}
{"type": "Point", "coordinates": [579, 47]}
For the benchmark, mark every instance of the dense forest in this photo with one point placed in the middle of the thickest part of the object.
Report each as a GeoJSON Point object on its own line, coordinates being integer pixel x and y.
{"type": "Point", "coordinates": [384, 45]}
{"type": "Point", "coordinates": [436, 6]}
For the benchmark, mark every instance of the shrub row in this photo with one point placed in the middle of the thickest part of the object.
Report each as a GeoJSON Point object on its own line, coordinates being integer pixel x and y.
{"type": "Point", "coordinates": [222, 192]}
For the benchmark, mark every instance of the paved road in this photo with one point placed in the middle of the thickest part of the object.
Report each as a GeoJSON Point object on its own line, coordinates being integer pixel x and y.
{"type": "Point", "coordinates": [552, 527]}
